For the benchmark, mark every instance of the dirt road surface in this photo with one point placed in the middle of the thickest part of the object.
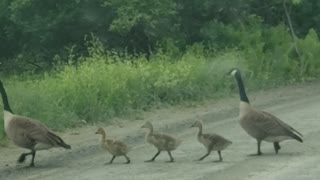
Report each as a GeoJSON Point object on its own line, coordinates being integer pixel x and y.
{"type": "Point", "coordinates": [298, 105]}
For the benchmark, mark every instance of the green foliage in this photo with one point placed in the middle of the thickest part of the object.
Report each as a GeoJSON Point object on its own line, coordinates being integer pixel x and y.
{"type": "Point", "coordinates": [309, 47]}
{"type": "Point", "coordinates": [296, 2]}
{"type": "Point", "coordinates": [153, 14]}
{"type": "Point", "coordinates": [95, 59]}
{"type": "Point", "coordinates": [105, 85]}
{"type": "Point", "coordinates": [36, 34]}
{"type": "Point", "coordinates": [268, 52]}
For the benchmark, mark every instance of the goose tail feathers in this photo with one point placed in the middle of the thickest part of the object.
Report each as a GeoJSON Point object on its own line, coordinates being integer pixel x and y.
{"type": "Point", "coordinates": [58, 140]}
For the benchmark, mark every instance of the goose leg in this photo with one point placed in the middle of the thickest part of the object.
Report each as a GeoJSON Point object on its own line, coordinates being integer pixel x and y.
{"type": "Point", "coordinates": [171, 158]}
{"type": "Point", "coordinates": [259, 151]}
{"type": "Point", "coordinates": [259, 147]}
{"type": "Point", "coordinates": [110, 162]}
{"type": "Point", "coordinates": [22, 157]}
{"type": "Point", "coordinates": [128, 159]}
{"type": "Point", "coordinates": [33, 153]}
{"type": "Point", "coordinates": [204, 156]}
{"type": "Point", "coordinates": [154, 157]}
{"type": "Point", "coordinates": [276, 146]}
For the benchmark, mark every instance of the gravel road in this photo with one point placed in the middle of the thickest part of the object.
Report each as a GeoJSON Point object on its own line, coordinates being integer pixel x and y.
{"type": "Point", "coordinates": [298, 105]}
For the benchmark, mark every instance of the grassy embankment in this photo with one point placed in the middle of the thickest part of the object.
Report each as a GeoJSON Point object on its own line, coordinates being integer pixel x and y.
{"type": "Point", "coordinates": [106, 85]}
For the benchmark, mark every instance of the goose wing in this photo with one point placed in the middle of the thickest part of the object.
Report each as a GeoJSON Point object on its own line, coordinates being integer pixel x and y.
{"type": "Point", "coordinates": [285, 127]}
{"type": "Point", "coordinates": [38, 132]}
{"type": "Point", "coordinates": [270, 125]}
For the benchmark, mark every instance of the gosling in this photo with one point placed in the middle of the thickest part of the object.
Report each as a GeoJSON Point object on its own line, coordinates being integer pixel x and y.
{"type": "Point", "coordinates": [162, 142]}
{"type": "Point", "coordinates": [212, 142]}
{"type": "Point", "coordinates": [114, 147]}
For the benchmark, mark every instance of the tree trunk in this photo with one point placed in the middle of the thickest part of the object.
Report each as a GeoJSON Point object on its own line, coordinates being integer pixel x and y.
{"type": "Point", "coordinates": [293, 35]}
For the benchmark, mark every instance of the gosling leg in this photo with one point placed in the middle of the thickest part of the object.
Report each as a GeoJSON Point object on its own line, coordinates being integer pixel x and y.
{"type": "Point", "coordinates": [110, 162]}
{"type": "Point", "coordinates": [220, 157]}
{"type": "Point", "coordinates": [171, 158]}
{"type": "Point", "coordinates": [208, 153]}
{"type": "Point", "coordinates": [128, 159]}
{"type": "Point", "coordinates": [154, 157]}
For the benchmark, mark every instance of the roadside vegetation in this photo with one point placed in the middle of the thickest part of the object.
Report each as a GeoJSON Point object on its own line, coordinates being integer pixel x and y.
{"type": "Point", "coordinates": [149, 60]}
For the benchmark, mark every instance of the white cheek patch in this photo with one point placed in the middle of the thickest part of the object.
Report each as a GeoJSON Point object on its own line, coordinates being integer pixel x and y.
{"type": "Point", "coordinates": [234, 72]}
{"type": "Point", "coordinates": [7, 118]}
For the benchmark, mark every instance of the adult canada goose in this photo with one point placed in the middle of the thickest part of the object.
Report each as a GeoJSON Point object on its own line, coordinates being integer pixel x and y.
{"type": "Point", "coordinates": [115, 147]}
{"type": "Point", "coordinates": [262, 125]}
{"type": "Point", "coordinates": [213, 142]}
{"type": "Point", "coordinates": [162, 142]}
{"type": "Point", "coordinates": [28, 133]}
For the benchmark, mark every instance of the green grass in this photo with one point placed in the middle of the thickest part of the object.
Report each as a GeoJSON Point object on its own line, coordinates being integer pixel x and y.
{"type": "Point", "coordinates": [103, 87]}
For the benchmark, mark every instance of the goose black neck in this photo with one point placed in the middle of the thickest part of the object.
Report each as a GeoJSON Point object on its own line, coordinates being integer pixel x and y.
{"type": "Point", "coordinates": [242, 92]}
{"type": "Point", "coordinates": [5, 101]}
{"type": "Point", "coordinates": [200, 130]}
{"type": "Point", "coordinates": [151, 129]}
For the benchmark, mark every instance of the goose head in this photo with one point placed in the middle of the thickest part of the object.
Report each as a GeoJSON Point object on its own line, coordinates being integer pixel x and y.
{"type": "Point", "coordinates": [233, 71]}
{"type": "Point", "coordinates": [99, 131]}
{"type": "Point", "coordinates": [147, 125]}
{"type": "Point", "coordinates": [197, 123]}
